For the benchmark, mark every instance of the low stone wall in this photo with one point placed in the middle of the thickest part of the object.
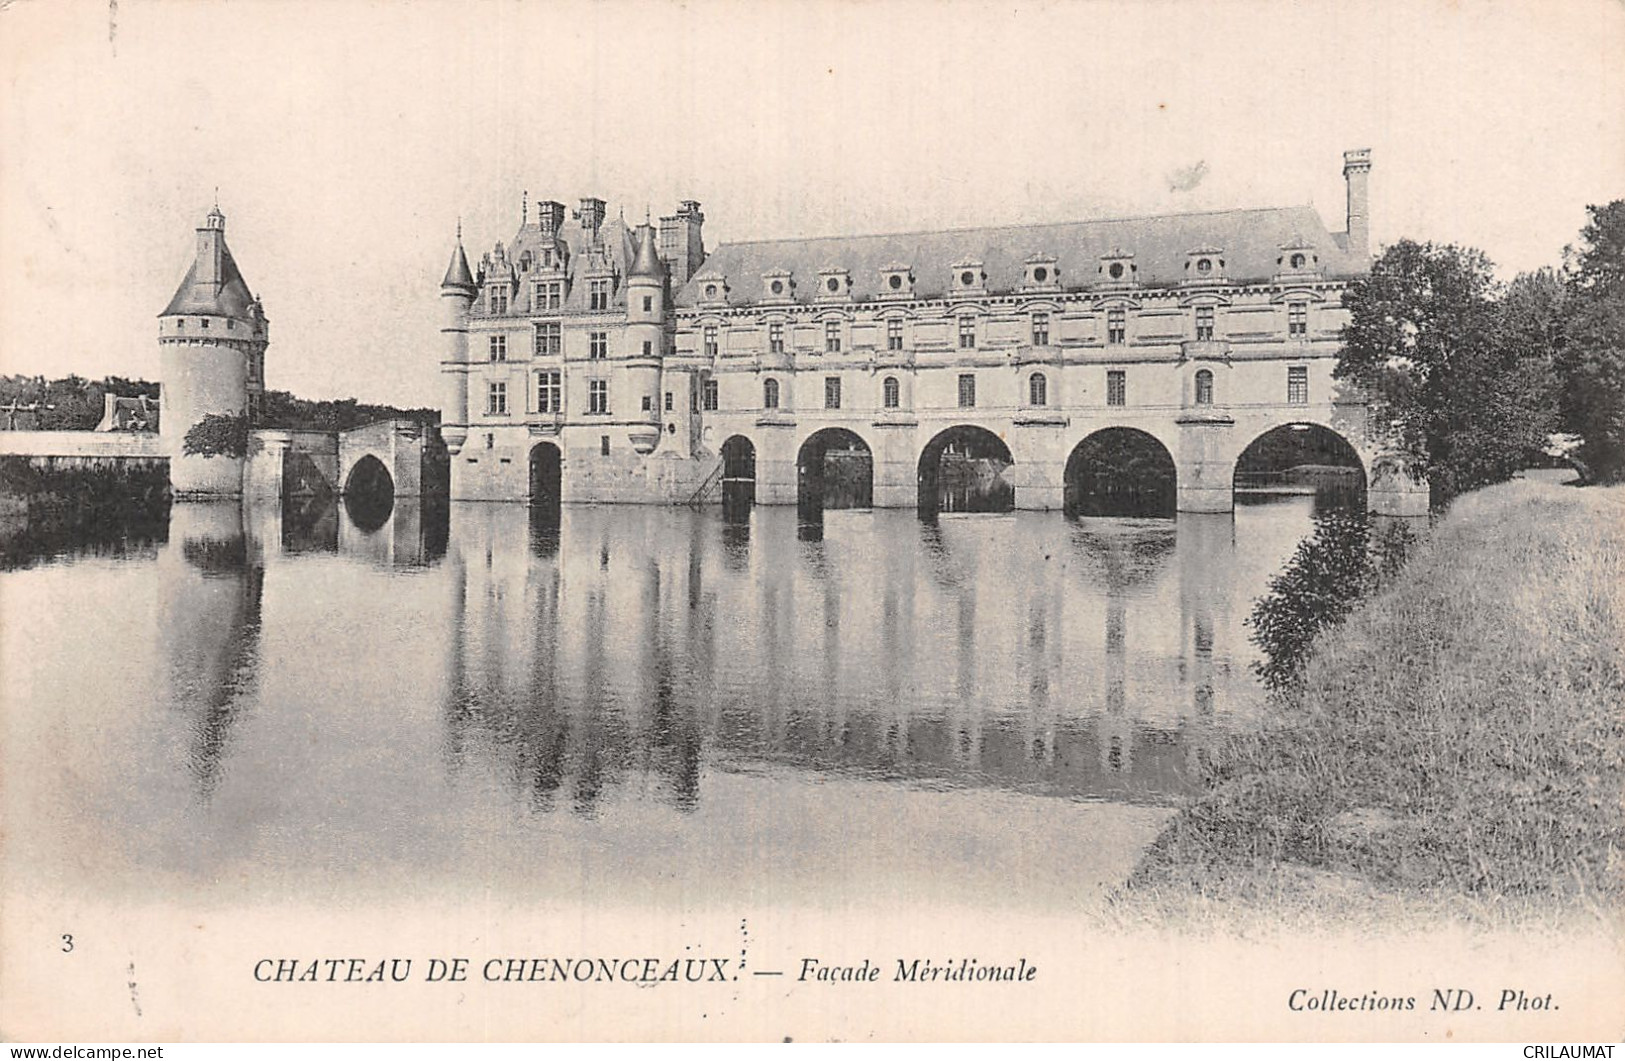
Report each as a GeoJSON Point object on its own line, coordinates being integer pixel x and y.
{"type": "Point", "coordinates": [91, 444]}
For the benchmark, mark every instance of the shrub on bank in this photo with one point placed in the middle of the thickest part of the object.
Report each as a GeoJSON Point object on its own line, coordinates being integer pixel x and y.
{"type": "Point", "coordinates": [1461, 732]}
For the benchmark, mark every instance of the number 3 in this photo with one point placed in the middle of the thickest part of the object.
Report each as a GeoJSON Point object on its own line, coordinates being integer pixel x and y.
{"type": "Point", "coordinates": [67, 944]}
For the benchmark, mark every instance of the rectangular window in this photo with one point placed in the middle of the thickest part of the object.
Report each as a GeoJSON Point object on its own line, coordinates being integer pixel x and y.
{"type": "Point", "coordinates": [1297, 385]}
{"type": "Point", "coordinates": [205, 323]}
{"type": "Point", "coordinates": [1116, 326]}
{"type": "Point", "coordinates": [1204, 324]}
{"type": "Point", "coordinates": [668, 401]}
{"type": "Point", "coordinates": [497, 298]}
{"type": "Point", "coordinates": [648, 348]}
{"type": "Point", "coordinates": [967, 392]}
{"type": "Point", "coordinates": [710, 337]}
{"type": "Point", "coordinates": [496, 399]}
{"type": "Point", "coordinates": [547, 296]}
{"type": "Point", "coordinates": [549, 340]}
{"type": "Point", "coordinates": [648, 303]}
{"type": "Point", "coordinates": [832, 337]}
{"type": "Point", "coordinates": [598, 397]}
{"type": "Point", "coordinates": [832, 392]}
{"type": "Point", "coordinates": [1297, 318]}
{"type": "Point", "coordinates": [775, 338]}
{"type": "Point", "coordinates": [603, 445]}
{"type": "Point", "coordinates": [597, 345]}
{"type": "Point", "coordinates": [967, 332]}
{"type": "Point", "coordinates": [894, 334]}
{"type": "Point", "coordinates": [1116, 387]}
{"type": "Point", "coordinates": [1040, 329]}
{"type": "Point", "coordinates": [648, 403]}
{"type": "Point", "coordinates": [597, 294]}
{"type": "Point", "coordinates": [549, 392]}
{"type": "Point", "coordinates": [499, 348]}
{"type": "Point", "coordinates": [708, 395]}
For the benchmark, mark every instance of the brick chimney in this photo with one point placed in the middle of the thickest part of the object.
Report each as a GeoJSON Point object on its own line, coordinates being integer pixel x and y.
{"type": "Point", "coordinates": [682, 241]}
{"type": "Point", "coordinates": [1357, 173]}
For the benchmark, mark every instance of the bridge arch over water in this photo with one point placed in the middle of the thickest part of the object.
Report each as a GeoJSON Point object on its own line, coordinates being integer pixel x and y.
{"type": "Point", "coordinates": [835, 469]}
{"type": "Point", "coordinates": [965, 468]}
{"type": "Point", "coordinates": [1120, 471]}
{"type": "Point", "coordinates": [369, 493]}
{"type": "Point", "coordinates": [1302, 457]}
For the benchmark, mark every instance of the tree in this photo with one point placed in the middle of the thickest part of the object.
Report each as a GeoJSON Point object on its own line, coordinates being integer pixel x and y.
{"type": "Point", "coordinates": [218, 435]}
{"type": "Point", "coordinates": [1591, 365]}
{"type": "Point", "coordinates": [1464, 398]}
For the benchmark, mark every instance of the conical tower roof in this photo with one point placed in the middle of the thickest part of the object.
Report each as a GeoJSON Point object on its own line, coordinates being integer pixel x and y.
{"type": "Point", "coordinates": [648, 261]}
{"type": "Point", "coordinates": [457, 273]}
{"type": "Point", "coordinates": [228, 298]}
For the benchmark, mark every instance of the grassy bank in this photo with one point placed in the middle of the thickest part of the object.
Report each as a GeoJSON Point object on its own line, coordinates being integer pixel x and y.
{"type": "Point", "coordinates": [1458, 742]}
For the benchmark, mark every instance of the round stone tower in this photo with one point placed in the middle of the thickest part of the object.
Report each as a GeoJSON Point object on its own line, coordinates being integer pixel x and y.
{"type": "Point", "coordinates": [457, 294]}
{"type": "Point", "coordinates": [645, 334]}
{"type": "Point", "coordinates": [211, 353]}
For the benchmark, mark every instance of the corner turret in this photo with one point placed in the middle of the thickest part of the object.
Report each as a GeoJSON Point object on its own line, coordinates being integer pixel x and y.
{"type": "Point", "coordinates": [457, 293]}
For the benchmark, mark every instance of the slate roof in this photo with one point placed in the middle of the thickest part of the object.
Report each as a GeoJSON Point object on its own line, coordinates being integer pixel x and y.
{"type": "Point", "coordinates": [647, 262]}
{"type": "Point", "coordinates": [230, 298]}
{"type": "Point", "coordinates": [1251, 240]}
{"type": "Point", "coordinates": [612, 253]}
{"type": "Point", "coordinates": [457, 274]}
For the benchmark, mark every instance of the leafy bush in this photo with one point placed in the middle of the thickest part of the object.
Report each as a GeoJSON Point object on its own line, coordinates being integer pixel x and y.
{"type": "Point", "coordinates": [218, 435]}
{"type": "Point", "coordinates": [1331, 571]}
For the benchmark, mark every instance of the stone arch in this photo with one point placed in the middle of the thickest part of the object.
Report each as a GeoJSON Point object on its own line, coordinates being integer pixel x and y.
{"type": "Point", "coordinates": [369, 493]}
{"type": "Point", "coordinates": [835, 468]}
{"type": "Point", "coordinates": [1302, 456]}
{"type": "Point", "coordinates": [1121, 471]}
{"type": "Point", "coordinates": [546, 474]}
{"type": "Point", "coordinates": [965, 468]}
{"type": "Point", "coordinates": [738, 473]}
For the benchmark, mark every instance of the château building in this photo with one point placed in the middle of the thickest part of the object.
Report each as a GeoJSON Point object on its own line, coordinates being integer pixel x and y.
{"type": "Point", "coordinates": [592, 361]}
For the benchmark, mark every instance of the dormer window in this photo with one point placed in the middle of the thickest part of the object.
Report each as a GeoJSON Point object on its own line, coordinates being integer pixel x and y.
{"type": "Point", "coordinates": [598, 295]}
{"type": "Point", "coordinates": [834, 284]}
{"type": "Point", "coordinates": [1117, 269]}
{"type": "Point", "coordinates": [1204, 265]}
{"type": "Point", "coordinates": [547, 296]}
{"type": "Point", "coordinates": [497, 298]}
{"type": "Point", "coordinates": [713, 288]}
{"type": "Point", "coordinates": [778, 286]}
{"type": "Point", "coordinates": [1042, 274]}
{"type": "Point", "coordinates": [896, 281]}
{"type": "Point", "coordinates": [1297, 258]}
{"type": "Point", "coordinates": [969, 278]}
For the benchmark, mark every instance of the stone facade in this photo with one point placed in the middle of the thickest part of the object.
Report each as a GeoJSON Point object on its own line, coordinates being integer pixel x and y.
{"type": "Point", "coordinates": [627, 359]}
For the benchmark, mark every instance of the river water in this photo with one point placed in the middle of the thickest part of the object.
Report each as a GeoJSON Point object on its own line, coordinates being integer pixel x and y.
{"type": "Point", "coordinates": [627, 704]}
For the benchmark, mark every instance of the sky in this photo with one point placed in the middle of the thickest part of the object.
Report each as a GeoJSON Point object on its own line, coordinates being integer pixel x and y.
{"type": "Point", "coordinates": [346, 138]}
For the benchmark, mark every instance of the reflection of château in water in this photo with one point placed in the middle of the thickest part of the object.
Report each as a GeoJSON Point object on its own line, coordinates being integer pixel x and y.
{"type": "Point", "coordinates": [643, 645]}
{"type": "Point", "coordinates": [588, 657]}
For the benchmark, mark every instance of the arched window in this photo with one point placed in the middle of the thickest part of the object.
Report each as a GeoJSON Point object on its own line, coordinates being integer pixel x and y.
{"type": "Point", "coordinates": [890, 392]}
{"type": "Point", "coordinates": [770, 394]}
{"type": "Point", "coordinates": [1204, 387]}
{"type": "Point", "coordinates": [1037, 389]}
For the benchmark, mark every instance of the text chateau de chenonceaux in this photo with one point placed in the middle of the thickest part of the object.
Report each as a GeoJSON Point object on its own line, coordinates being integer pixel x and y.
{"type": "Point", "coordinates": [588, 360]}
